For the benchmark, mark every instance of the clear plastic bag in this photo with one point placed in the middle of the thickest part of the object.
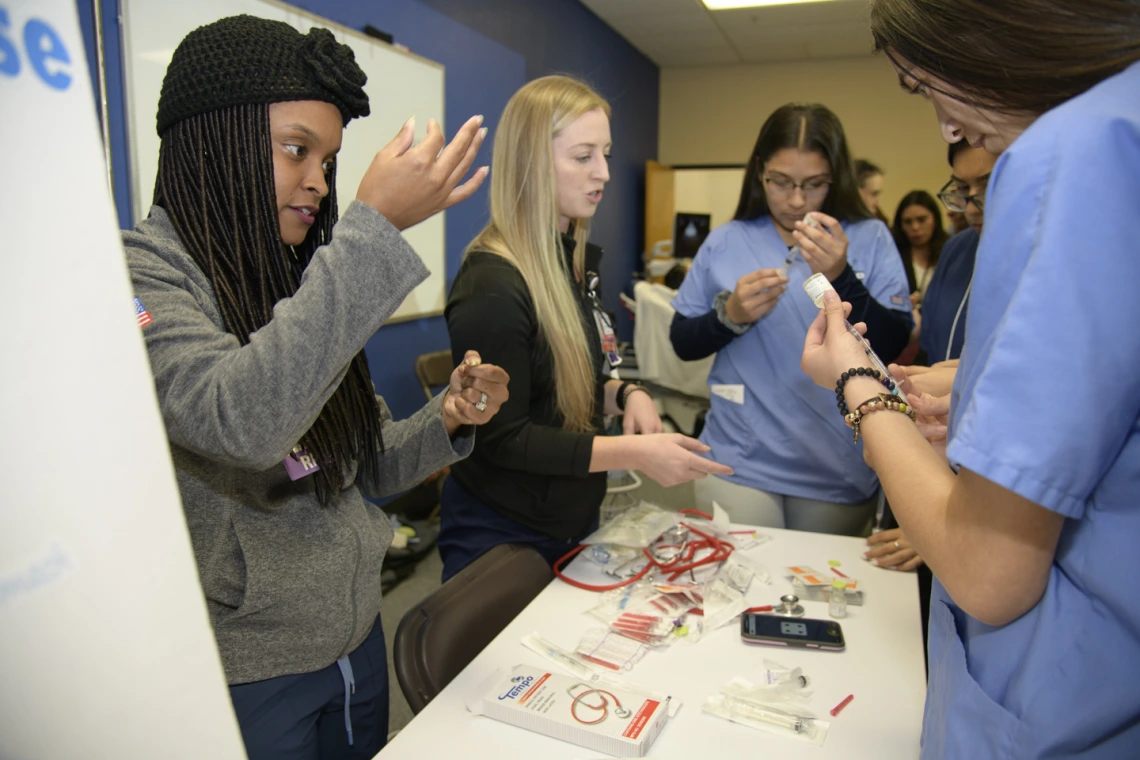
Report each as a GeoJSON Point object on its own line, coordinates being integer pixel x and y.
{"type": "Point", "coordinates": [739, 570]}
{"type": "Point", "coordinates": [767, 718]}
{"type": "Point", "coordinates": [778, 686]}
{"type": "Point", "coordinates": [609, 650]}
{"type": "Point", "coordinates": [645, 613]}
{"type": "Point", "coordinates": [742, 702]}
{"type": "Point", "coordinates": [637, 526]}
{"type": "Point", "coordinates": [722, 603]}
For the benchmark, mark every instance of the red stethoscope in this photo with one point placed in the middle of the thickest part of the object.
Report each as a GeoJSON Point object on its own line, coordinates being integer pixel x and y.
{"type": "Point", "coordinates": [705, 550]}
{"type": "Point", "coordinates": [601, 710]}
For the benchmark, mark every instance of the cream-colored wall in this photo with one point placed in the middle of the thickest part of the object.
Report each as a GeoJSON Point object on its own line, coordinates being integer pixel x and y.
{"type": "Point", "coordinates": [711, 115]}
{"type": "Point", "coordinates": [708, 191]}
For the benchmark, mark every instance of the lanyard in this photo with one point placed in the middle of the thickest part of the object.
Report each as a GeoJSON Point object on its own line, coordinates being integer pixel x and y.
{"type": "Point", "coordinates": [604, 324]}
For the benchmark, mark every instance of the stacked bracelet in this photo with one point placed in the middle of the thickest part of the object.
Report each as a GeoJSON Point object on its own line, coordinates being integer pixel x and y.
{"type": "Point", "coordinates": [877, 403]}
{"type": "Point", "coordinates": [856, 372]}
{"type": "Point", "coordinates": [625, 389]}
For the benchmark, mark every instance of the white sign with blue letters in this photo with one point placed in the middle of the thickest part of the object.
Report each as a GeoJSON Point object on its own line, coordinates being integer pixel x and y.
{"type": "Point", "coordinates": [105, 645]}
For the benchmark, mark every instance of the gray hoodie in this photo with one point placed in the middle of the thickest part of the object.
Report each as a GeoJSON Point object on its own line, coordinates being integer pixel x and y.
{"type": "Point", "coordinates": [290, 586]}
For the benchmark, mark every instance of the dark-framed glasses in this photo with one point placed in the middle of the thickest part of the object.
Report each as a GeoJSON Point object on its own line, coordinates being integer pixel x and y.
{"type": "Point", "coordinates": [957, 201]}
{"type": "Point", "coordinates": [812, 188]}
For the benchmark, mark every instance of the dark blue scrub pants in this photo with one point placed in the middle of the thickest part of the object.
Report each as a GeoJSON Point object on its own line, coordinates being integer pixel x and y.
{"type": "Point", "coordinates": [468, 528]}
{"type": "Point", "coordinates": [302, 717]}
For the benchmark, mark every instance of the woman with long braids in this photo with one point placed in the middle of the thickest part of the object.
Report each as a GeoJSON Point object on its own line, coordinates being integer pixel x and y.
{"type": "Point", "coordinates": [1031, 533]}
{"type": "Point", "coordinates": [260, 303]}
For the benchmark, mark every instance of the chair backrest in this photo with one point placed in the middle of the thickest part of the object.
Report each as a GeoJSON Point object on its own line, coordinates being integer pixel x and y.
{"type": "Point", "coordinates": [433, 371]}
{"type": "Point", "coordinates": [439, 636]}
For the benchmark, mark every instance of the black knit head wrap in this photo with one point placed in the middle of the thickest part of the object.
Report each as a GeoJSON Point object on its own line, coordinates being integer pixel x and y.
{"type": "Point", "coordinates": [245, 60]}
{"type": "Point", "coordinates": [216, 182]}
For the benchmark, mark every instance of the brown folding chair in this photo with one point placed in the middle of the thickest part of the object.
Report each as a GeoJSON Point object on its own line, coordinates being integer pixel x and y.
{"type": "Point", "coordinates": [434, 371]}
{"type": "Point", "coordinates": [439, 636]}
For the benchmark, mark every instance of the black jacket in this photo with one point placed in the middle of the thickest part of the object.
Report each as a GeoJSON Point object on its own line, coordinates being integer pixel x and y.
{"type": "Point", "coordinates": [525, 466]}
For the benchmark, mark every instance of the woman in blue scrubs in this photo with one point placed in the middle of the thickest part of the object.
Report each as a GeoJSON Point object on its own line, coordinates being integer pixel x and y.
{"type": "Point", "coordinates": [743, 299]}
{"type": "Point", "coordinates": [1034, 623]}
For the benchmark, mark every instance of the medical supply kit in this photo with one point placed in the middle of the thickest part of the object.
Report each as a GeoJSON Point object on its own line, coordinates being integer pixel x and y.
{"type": "Point", "coordinates": [604, 717]}
{"type": "Point", "coordinates": [676, 577]}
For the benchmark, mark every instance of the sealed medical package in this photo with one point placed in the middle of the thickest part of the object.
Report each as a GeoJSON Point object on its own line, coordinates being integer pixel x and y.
{"type": "Point", "coordinates": [611, 720]}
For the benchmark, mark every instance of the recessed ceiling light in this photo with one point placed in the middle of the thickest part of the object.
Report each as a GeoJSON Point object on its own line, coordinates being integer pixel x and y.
{"type": "Point", "coordinates": [723, 5]}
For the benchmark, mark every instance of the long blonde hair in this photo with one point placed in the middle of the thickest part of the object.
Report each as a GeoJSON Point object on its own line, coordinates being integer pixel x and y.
{"type": "Point", "coordinates": [524, 229]}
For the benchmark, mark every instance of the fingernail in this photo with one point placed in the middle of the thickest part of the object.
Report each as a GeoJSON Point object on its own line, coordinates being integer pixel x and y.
{"type": "Point", "coordinates": [866, 555]}
{"type": "Point", "coordinates": [473, 362]}
{"type": "Point", "coordinates": [411, 122]}
{"type": "Point", "coordinates": [485, 169]}
{"type": "Point", "coordinates": [830, 296]}
{"type": "Point", "coordinates": [479, 118]}
{"type": "Point", "coordinates": [483, 132]}
{"type": "Point", "coordinates": [875, 562]}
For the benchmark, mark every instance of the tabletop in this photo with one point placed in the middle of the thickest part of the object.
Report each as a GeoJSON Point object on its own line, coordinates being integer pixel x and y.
{"type": "Point", "coordinates": [882, 667]}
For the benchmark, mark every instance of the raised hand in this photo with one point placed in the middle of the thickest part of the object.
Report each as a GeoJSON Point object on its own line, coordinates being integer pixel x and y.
{"type": "Point", "coordinates": [407, 183]}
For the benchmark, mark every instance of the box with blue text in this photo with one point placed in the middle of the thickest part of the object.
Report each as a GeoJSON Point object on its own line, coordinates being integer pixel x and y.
{"type": "Point", "coordinates": [586, 713]}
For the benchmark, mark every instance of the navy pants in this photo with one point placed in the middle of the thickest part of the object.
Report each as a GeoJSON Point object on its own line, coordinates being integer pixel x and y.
{"type": "Point", "coordinates": [302, 717]}
{"type": "Point", "coordinates": [468, 528]}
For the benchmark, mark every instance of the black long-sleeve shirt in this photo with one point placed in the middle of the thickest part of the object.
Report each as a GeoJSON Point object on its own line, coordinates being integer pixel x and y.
{"type": "Point", "coordinates": [525, 466]}
{"type": "Point", "coordinates": [888, 330]}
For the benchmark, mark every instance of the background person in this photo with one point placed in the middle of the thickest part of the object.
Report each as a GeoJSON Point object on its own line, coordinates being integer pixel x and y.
{"type": "Point", "coordinates": [794, 465]}
{"type": "Point", "coordinates": [919, 236]}
{"type": "Point", "coordinates": [870, 178]}
{"type": "Point", "coordinates": [946, 306]}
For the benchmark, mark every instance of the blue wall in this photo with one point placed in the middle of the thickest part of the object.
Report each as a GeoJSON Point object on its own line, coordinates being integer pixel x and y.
{"type": "Point", "coordinates": [489, 49]}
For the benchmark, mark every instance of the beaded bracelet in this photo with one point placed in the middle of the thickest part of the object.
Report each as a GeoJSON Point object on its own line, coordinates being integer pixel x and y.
{"type": "Point", "coordinates": [625, 390]}
{"type": "Point", "coordinates": [857, 372]}
{"type": "Point", "coordinates": [876, 404]}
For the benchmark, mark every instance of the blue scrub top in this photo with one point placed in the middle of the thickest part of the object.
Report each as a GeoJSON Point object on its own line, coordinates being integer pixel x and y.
{"type": "Point", "coordinates": [945, 295]}
{"type": "Point", "coordinates": [788, 436]}
{"type": "Point", "coordinates": [1047, 404]}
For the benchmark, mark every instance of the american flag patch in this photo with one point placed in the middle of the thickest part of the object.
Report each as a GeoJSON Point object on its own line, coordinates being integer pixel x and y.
{"type": "Point", "coordinates": [896, 300]}
{"type": "Point", "coordinates": [141, 314]}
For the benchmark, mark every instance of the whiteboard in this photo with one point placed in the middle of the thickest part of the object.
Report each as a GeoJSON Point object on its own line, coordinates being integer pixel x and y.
{"type": "Point", "coordinates": [399, 85]}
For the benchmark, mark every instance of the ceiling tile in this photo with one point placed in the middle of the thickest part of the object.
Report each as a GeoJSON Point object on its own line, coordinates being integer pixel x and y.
{"type": "Point", "coordinates": [684, 33]}
{"type": "Point", "coordinates": [774, 51]}
{"type": "Point", "coordinates": [707, 40]}
{"type": "Point", "coordinates": [680, 59]}
{"type": "Point", "coordinates": [617, 9]}
{"type": "Point", "coordinates": [797, 13]}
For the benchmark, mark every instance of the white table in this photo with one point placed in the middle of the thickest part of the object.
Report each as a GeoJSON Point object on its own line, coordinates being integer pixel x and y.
{"type": "Point", "coordinates": [882, 667]}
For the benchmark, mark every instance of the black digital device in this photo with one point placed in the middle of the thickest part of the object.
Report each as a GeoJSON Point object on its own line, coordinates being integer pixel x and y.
{"type": "Point", "coordinates": [775, 630]}
{"type": "Point", "coordinates": [689, 233]}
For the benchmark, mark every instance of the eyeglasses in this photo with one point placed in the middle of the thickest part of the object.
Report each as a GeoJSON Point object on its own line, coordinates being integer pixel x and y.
{"type": "Point", "coordinates": [812, 188]}
{"type": "Point", "coordinates": [957, 201]}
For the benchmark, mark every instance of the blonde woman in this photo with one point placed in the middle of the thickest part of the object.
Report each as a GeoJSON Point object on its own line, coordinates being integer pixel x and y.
{"type": "Point", "coordinates": [523, 300]}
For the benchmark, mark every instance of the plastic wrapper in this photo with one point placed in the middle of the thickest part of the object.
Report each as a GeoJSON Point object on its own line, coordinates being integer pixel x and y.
{"type": "Point", "coordinates": [778, 686]}
{"type": "Point", "coordinates": [609, 650]}
{"type": "Point", "coordinates": [645, 613]}
{"type": "Point", "coordinates": [722, 603]}
{"type": "Point", "coordinates": [637, 527]}
{"type": "Point", "coordinates": [741, 701]}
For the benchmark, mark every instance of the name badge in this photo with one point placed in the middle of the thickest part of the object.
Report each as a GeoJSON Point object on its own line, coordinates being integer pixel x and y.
{"type": "Point", "coordinates": [609, 339]}
{"type": "Point", "coordinates": [733, 393]}
{"type": "Point", "coordinates": [300, 463]}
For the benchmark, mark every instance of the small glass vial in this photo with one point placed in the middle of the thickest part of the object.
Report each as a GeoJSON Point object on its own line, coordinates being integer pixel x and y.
{"type": "Point", "coordinates": [837, 601]}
